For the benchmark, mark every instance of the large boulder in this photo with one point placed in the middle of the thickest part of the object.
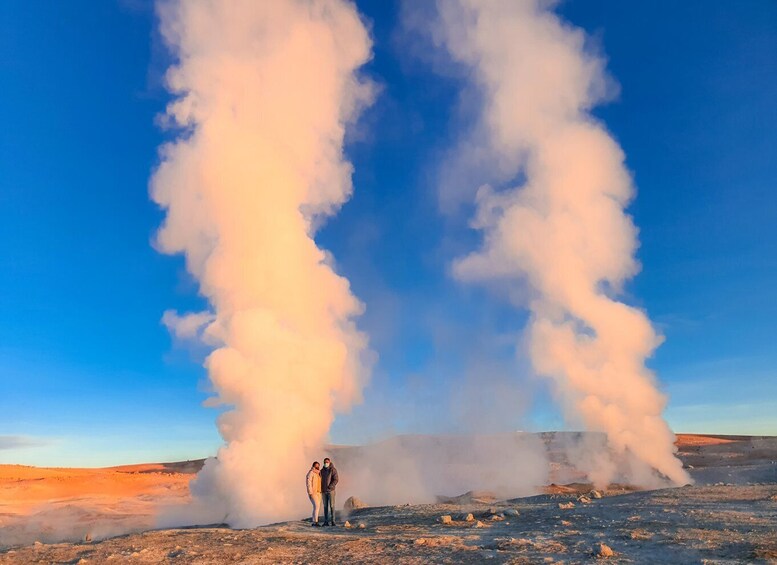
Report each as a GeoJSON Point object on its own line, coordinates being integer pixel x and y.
{"type": "Point", "coordinates": [353, 503]}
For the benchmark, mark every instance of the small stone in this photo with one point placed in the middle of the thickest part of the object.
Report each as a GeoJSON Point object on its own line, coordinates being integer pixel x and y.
{"type": "Point", "coordinates": [603, 551]}
{"type": "Point", "coordinates": [512, 512]}
{"type": "Point", "coordinates": [496, 518]}
{"type": "Point", "coordinates": [566, 505]}
{"type": "Point", "coordinates": [446, 519]}
{"type": "Point", "coordinates": [596, 494]}
{"type": "Point", "coordinates": [469, 518]}
{"type": "Point", "coordinates": [88, 538]}
{"type": "Point", "coordinates": [584, 500]}
{"type": "Point", "coordinates": [479, 524]}
{"type": "Point", "coordinates": [566, 523]}
{"type": "Point", "coordinates": [362, 525]}
{"type": "Point", "coordinates": [347, 524]}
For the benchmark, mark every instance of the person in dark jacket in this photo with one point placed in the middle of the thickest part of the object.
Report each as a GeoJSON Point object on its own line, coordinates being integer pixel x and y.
{"type": "Point", "coordinates": [329, 480]}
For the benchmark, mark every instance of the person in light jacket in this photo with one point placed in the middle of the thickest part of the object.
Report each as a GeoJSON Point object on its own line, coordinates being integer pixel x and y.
{"type": "Point", "coordinates": [313, 483]}
{"type": "Point", "coordinates": [329, 480]}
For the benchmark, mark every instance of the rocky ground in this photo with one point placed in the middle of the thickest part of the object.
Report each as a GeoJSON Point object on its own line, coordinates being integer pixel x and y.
{"type": "Point", "coordinates": [730, 516]}
{"type": "Point", "coordinates": [713, 524]}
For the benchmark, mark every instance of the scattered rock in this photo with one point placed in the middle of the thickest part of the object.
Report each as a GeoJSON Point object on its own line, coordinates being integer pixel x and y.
{"type": "Point", "coordinates": [584, 500]}
{"type": "Point", "coordinates": [566, 523]}
{"type": "Point", "coordinates": [479, 524]}
{"type": "Point", "coordinates": [512, 512]}
{"type": "Point", "coordinates": [603, 551]}
{"type": "Point", "coordinates": [566, 505]}
{"type": "Point", "coordinates": [469, 518]}
{"type": "Point", "coordinates": [362, 525]}
{"type": "Point", "coordinates": [347, 524]}
{"type": "Point", "coordinates": [438, 541]}
{"type": "Point", "coordinates": [500, 543]}
{"type": "Point", "coordinates": [640, 534]}
{"type": "Point", "coordinates": [595, 494]}
{"type": "Point", "coordinates": [496, 518]}
{"type": "Point", "coordinates": [446, 519]}
{"type": "Point", "coordinates": [87, 538]}
{"type": "Point", "coordinates": [354, 503]}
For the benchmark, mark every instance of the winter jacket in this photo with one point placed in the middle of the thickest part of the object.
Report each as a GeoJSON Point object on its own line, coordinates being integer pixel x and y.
{"type": "Point", "coordinates": [313, 482]}
{"type": "Point", "coordinates": [329, 478]}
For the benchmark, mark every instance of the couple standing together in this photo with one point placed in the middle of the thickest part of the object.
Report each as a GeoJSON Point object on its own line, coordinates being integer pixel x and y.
{"type": "Point", "coordinates": [321, 484]}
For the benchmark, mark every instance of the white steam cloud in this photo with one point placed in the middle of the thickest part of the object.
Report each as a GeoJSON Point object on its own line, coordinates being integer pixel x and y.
{"type": "Point", "coordinates": [264, 91]}
{"type": "Point", "coordinates": [562, 230]}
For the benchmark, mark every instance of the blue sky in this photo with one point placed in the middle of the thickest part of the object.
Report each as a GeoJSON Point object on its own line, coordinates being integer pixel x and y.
{"type": "Point", "coordinates": [91, 377]}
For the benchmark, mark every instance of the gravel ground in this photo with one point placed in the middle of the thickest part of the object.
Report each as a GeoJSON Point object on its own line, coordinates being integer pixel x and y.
{"type": "Point", "coordinates": [730, 516]}
{"type": "Point", "coordinates": [707, 524]}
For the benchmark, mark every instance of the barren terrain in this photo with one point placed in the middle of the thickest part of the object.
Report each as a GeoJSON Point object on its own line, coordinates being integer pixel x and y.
{"type": "Point", "coordinates": [730, 515]}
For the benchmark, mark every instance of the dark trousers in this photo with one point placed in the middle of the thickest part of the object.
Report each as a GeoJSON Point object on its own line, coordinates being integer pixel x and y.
{"type": "Point", "coordinates": [329, 507]}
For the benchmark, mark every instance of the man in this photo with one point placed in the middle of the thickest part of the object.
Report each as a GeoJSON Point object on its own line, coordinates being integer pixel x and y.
{"type": "Point", "coordinates": [313, 482]}
{"type": "Point", "coordinates": [329, 480]}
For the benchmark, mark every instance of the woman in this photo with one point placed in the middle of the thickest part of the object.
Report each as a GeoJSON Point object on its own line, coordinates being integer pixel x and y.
{"type": "Point", "coordinates": [313, 482]}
